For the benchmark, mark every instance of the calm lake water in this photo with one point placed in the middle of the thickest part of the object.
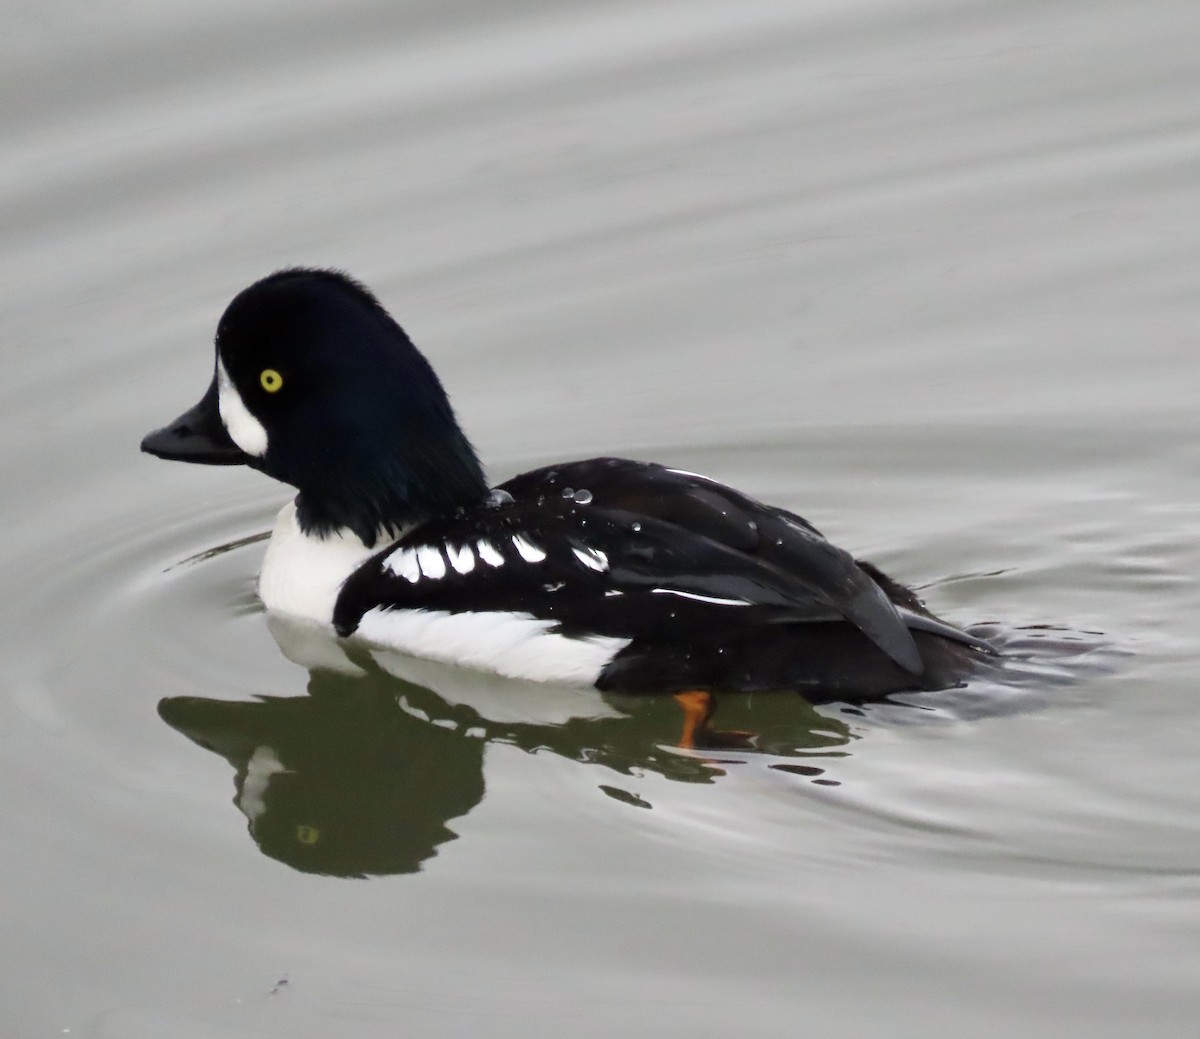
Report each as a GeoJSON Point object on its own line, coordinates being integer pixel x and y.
{"type": "Point", "coordinates": [925, 272]}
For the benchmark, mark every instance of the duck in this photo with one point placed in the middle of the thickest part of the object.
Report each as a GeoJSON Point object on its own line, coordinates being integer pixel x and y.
{"type": "Point", "coordinates": [627, 576]}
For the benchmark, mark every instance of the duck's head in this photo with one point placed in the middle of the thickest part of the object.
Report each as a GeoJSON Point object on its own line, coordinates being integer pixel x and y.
{"type": "Point", "coordinates": [317, 386]}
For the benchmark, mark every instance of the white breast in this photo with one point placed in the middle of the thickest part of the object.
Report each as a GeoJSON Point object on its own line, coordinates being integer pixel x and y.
{"type": "Point", "coordinates": [301, 573]}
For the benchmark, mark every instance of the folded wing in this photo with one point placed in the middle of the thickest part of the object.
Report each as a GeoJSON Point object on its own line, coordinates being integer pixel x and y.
{"type": "Point", "coordinates": [622, 548]}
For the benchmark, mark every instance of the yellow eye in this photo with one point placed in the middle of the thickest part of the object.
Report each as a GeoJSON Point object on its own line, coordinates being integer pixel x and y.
{"type": "Point", "coordinates": [271, 380]}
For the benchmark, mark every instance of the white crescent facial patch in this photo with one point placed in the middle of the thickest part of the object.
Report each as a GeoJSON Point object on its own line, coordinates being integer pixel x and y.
{"type": "Point", "coordinates": [243, 428]}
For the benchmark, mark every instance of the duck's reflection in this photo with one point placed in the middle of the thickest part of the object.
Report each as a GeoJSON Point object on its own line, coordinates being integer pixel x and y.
{"type": "Point", "coordinates": [341, 781]}
{"type": "Point", "coordinates": [364, 774]}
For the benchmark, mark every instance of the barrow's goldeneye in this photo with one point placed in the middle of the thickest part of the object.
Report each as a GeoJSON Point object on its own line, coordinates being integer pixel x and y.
{"type": "Point", "coordinates": [624, 575]}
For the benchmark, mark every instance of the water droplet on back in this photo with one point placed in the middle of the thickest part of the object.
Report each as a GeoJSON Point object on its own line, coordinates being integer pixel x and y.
{"type": "Point", "coordinates": [583, 496]}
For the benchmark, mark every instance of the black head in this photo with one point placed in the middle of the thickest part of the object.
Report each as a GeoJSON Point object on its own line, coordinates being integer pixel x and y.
{"type": "Point", "coordinates": [317, 386]}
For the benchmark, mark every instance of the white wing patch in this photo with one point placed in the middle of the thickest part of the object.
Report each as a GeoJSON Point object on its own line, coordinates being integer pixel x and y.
{"type": "Point", "coordinates": [487, 552]}
{"type": "Point", "coordinates": [512, 644]}
{"type": "Point", "coordinates": [527, 550]}
{"type": "Point", "coordinates": [404, 564]}
{"type": "Point", "coordinates": [427, 560]}
{"type": "Point", "coordinates": [592, 558]}
{"type": "Point", "coordinates": [461, 558]}
{"type": "Point", "coordinates": [433, 566]}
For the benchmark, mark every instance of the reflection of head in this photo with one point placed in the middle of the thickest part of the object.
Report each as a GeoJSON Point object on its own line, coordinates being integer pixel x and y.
{"type": "Point", "coordinates": [342, 781]}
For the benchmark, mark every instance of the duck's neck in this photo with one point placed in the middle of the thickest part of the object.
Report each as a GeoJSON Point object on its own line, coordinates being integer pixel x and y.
{"type": "Point", "coordinates": [303, 570]}
{"type": "Point", "coordinates": [378, 492]}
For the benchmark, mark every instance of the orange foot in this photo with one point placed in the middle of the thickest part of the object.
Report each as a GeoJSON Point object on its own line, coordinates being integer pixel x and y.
{"type": "Point", "coordinates": [698, 706]}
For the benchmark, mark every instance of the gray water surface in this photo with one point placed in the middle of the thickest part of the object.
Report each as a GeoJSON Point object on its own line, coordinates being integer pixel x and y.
{"type": "Point", "coordinates": [924, 272]}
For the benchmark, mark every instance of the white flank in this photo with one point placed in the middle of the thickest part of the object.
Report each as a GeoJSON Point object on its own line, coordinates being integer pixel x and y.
{"type": "Point", "coordinates": [403, 563]}
{"type": "Point", "coordinates": [527, 550]}
{"type": "Point", "coordinates": [243, 428]}
{"type": "Point", "coordinates": [301, 574]}
{"type": "Point", "coordinates": [701, 598]}
{"type": "Point", "coordinates": [487, 552]}
{"type": "Point", "coordinates": [512, 644]}
{"type": "Point", "coordinates": [461, 558]}
{"type": "Point", "coordinates": [431, 562]}
{"type": "Point", "coordinates": [591, 557]}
